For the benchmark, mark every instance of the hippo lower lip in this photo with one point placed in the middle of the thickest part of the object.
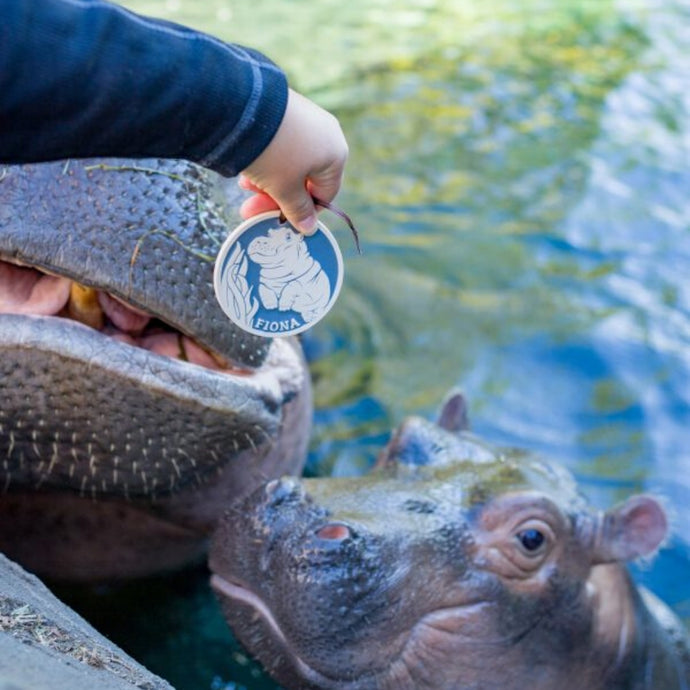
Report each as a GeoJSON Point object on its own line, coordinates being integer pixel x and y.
{"type": "Point", "coordinates": [129, 388]}
{"type": "Point", "coordinates": [242, 593]}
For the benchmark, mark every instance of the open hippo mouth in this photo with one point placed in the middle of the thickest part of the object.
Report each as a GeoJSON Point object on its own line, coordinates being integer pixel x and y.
{"type": "Point", "coordinates": [120, 374]}
{"type": "Point", "coordinates": [29, 291]}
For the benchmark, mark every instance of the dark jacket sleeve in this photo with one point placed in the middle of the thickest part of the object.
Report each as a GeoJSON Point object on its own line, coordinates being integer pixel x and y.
{"type": "Point", "coordinates": [81, 78]}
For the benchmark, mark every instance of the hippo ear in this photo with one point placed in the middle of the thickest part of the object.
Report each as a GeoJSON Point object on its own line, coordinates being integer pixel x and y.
{"type": "Point", "coordinates": [454, 415]}
{"type": "Point", "coordinates": [630, 530]}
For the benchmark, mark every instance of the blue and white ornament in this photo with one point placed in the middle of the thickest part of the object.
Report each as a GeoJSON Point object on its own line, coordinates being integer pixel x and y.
{"type": "Point", "coordinates": [272, 280]}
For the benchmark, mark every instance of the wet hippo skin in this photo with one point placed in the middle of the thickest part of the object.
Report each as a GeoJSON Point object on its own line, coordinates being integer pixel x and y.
{"type": "Point", "coordinates": [133, 409]}
{"type": "Point", "coordinates": [454, 565]}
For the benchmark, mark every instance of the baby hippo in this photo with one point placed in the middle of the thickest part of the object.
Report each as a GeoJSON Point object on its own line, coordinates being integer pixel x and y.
{"type": "Point", "coordinates": [452, 566]}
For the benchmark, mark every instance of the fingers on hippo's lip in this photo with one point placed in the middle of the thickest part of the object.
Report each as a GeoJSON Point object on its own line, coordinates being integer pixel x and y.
{"type": "Point", "coordinates": [24, 290]}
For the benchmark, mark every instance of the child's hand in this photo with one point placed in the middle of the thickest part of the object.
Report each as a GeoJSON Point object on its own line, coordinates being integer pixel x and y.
{"type": "Point", "coordinates": [305, 157]}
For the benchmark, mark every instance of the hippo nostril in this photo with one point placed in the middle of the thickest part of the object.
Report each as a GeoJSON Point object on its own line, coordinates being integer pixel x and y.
{"type": "Point", "coordinates": [334, 531]}
{"type": "Point", "coordinates": [281, 490]}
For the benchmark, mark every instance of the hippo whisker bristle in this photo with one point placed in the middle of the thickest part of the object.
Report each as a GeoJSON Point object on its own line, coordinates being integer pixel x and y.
{"type": "Point", "coordinates": [263, 431]}
{"type": "Point", "coordinates": [53, 457]}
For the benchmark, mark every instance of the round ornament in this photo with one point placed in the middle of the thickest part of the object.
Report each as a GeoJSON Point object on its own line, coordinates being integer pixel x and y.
{"type": "Point", "coordinates": [272, 280]}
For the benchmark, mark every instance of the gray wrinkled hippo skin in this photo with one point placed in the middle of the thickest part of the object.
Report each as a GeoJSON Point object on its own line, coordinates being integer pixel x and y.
{"type": "Point", "coordinates": [452, 566]}
{"type": "Point", "coordinates": [115, 459]}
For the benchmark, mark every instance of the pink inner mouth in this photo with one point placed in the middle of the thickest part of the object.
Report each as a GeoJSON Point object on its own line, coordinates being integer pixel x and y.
{"type": "Point", "coordinates": [26, 290]}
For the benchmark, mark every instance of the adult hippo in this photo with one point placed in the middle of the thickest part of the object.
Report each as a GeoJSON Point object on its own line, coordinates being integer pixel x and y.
{"type": "Point", "coordinates": [453, 566]}
{"type": "Point", "coordinates": [132, 409]}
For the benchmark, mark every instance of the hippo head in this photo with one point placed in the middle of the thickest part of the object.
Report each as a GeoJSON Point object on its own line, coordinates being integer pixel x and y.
{"type": "Point", "coordinates": [281, 247]}
{"type": "Point", "coordinates": [452, 565]}
{"type": "Point", "coordinates": [126, 391]}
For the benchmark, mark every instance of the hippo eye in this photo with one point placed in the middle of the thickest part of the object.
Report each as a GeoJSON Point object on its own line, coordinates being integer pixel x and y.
{"type": "Point", "coordinates": [531, 539]}
{"type": "Point", "coordinates": [334, 531]}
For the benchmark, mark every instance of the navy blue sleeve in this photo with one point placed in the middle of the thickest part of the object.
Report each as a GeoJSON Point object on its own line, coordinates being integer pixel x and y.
{"type": "Point", "coordinates": [81, 78]}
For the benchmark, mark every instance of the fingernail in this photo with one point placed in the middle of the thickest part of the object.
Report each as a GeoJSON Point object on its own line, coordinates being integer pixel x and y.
{"type": "Point", "coordinates": [307, 225]}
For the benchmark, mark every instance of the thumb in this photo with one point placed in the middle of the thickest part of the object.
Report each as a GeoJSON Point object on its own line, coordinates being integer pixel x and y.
{"type": "Point", "coordinates": [298, 207]}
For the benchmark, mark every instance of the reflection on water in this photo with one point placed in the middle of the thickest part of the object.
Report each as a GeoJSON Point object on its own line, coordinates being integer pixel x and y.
{"type": "Point", "coordinates": [519, 172]}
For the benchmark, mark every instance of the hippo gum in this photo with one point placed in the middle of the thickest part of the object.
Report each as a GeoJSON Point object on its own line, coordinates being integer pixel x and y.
{"type": "Point", "coordinates": [452, 566]}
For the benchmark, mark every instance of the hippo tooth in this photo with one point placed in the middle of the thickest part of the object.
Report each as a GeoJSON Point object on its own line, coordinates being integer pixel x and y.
{"type": "Point", "coordinates": [83, 306]}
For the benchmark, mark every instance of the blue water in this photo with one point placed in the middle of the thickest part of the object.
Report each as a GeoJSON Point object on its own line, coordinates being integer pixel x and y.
{"type": "Point", "coordinates": [519, 175]}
